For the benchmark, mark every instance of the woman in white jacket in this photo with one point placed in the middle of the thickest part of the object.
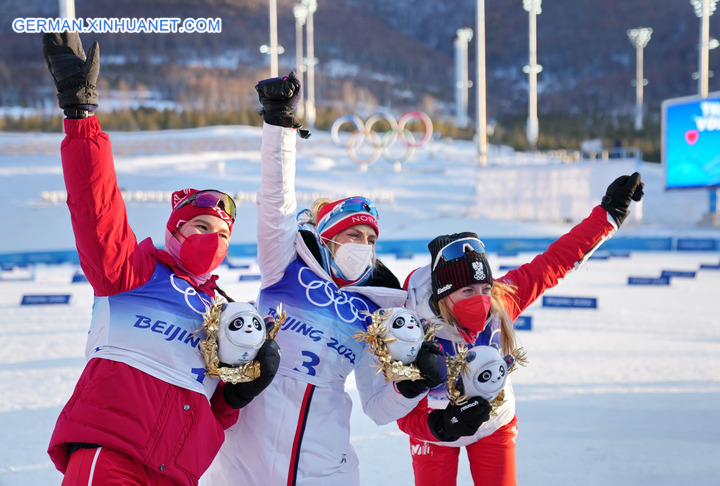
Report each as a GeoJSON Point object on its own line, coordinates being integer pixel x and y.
{"type": "Point", "coordinates": [320, 266]}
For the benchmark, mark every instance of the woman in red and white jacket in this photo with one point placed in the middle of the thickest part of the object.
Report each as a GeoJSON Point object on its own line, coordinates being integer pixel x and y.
{"type": "Point", "coordinates": [458, 292]}
{"type": "Point", "coordinates": [143, 411]}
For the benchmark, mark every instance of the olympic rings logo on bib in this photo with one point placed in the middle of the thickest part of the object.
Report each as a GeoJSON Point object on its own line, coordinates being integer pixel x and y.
{"type": "Point", "coordinates": [191, 295]}
{"type": "Point", "coordinates": [365, 145]}
{"type": "Point", "coordinates": [320, 293]}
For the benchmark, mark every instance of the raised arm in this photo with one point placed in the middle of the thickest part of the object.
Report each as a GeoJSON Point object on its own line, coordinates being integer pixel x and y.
{"type": "Point", "coordinates": [277, 206]}
{"type": "Point", "coordinates": [106, 245]}
{"type": "Point", "coordinates": [571, 250]}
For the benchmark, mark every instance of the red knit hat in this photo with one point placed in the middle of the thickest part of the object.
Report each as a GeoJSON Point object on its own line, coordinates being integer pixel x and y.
{"type": "Point", "coordinates": [338, 216]}
{"type": "Point", "coordinates": [220, 205]}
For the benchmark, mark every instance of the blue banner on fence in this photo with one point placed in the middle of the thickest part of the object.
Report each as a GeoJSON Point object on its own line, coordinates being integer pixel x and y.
{"type": "Point", "coordinates": [696, 244]}
{"type": "Point", "coordinates": [648, 281]}
{"type": "Point", "coordinates": [577, 302]}
{"type": "Point", "coordinates": [241, 266]}
{"type": "Point", "coordinates": [45, 299]}
{"type": "Point", "coordinates": [708, 266]}
{"type": "Point", "coordinates": [523, 323]}
{"type": "Point", "coordinates": [617, 246]}
{"type": "Point", "coordinates": [249, 277]}
{"type": "Point", "coordinates": [600, 256]}
{"type": "Point", "coordinates": [404, 255]}
{"type": "Point", "coordinates": [79, 277]}
{"type": "Point", "coordinates": [507, 268]}
{"type": "Point", "coordinates": [677, 273]}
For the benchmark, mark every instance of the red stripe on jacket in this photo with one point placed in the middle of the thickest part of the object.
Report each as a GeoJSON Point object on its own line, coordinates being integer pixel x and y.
{"type": "Point", "coordinates": [299, 432]}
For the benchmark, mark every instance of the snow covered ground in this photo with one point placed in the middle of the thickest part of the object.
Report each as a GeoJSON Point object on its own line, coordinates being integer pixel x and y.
{"type": "Point", "coordinates": [627, 393]}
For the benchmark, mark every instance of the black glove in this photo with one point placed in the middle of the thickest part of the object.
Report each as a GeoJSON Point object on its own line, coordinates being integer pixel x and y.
{"type": "Point", "coordinates": [75, 75]}
{"type": "Point", "coordinates": [619, 194]}
{"type": "Point", "coordinates": [431, 363]}
{"type": "Point", "coordinates": [457, 421]}
{"type": "Point", "coordinates": [240, 394]}
{"type": "Point", "coordinates": [278, 97]}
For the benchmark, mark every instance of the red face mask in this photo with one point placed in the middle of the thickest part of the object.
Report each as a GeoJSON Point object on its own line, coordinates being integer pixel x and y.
{"type": "Point", "coordinates": [202, 253]}
{"type": "Point", "coordinates": [472, 313]}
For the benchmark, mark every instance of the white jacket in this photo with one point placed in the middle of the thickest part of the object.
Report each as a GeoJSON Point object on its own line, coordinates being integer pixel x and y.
{"type": "Point", "coordinates": [297, 431]}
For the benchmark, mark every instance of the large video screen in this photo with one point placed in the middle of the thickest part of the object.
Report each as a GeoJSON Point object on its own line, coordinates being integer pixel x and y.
{"type": "Point", "coordinates": [691, 141]}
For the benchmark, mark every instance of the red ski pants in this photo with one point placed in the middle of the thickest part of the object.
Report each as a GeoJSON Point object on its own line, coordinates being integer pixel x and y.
{"type": "Point", "coordinates": [492, 460]}
{"type": "Point", "coordinates": [106, 467]}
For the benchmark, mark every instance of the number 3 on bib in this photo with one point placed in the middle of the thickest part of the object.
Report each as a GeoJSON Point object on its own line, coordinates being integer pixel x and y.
{"type": "Point", "coordinates": [311, 360]}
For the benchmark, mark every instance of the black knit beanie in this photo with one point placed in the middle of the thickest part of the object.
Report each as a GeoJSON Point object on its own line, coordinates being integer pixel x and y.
{"type": "Point", "coordinates": [451, 275]}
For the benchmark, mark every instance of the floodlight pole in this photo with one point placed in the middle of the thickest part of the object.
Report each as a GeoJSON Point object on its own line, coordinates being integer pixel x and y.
{"type": "Point", "coordinates": [480, 103]}
{"type": "Point", "coordinates": [300, 13]}
{"type": "Point", "coordinates": [464, 35]}
{"type": "Point", "coordinates": [534, 8]}
{"type": "Point", "coordinates": [67, 9]}
{"type": "Point", "coordinates": [704, 9]}
{"type": "Point", "coordinates": [310, 114]}
{"type": "Point", "coordinates": [273, 49]}
{"type": "Point", "coordinates": [273, 39]}
{"type": "Point", "coordinates": [639, 38]}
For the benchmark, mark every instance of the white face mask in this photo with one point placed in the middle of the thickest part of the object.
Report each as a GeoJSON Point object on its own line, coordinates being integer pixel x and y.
{"type": "Point", "coordinates": [353, 259]}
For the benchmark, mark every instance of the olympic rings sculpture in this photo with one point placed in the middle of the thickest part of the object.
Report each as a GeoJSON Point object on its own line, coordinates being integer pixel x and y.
{"type": "Point", "coordinates": [364, 135]}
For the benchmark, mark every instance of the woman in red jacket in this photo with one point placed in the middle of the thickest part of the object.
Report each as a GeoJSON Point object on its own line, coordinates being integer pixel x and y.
{"type": "Point", "coordinates": [143, 411]}
{"type": "Point", "coordinates": [458, 292]}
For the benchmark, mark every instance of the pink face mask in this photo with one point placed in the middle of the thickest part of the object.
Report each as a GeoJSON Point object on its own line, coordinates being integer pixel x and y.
{"type": "Point", "coordinates": [472, 313]}
{"type": "Point", "coordinates": [202, 253]}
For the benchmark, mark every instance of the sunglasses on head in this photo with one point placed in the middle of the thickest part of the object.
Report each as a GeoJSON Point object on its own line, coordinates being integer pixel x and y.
{"type": "Point", "coordinates": [210, 199]}
{"type": "Point", "coordinates": [457, 249]}
{"type": "Point", "coordinates": [355, 205]}
{"type": "Point", "coordinates": [350, 205]}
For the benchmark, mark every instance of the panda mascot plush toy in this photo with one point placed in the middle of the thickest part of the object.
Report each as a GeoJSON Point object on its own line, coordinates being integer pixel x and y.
{"type": "Point", "coordinates": [405, 334]}
{"type": "Point", "coordinates": [486, 371]}
{"type": "Point", "coordinates": [241, 333]}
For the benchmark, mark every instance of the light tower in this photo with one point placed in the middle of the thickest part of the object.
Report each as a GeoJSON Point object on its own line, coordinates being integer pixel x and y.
{"type": "Point", "coordinates": [464, 35]}
{"type": "Point", "coordinates": [300, 13]}
{"type": "Point", "coordinates": [639, 38]}
{"type": "Point", "coordinates": [67, 9]}
{"type": "Point", "coordinates": [273, 49]}
{"type": "Point", "coordinates": [480, 102]}
{"type": "Point", "coordinates": [704, 9]}
{"type": "Point", "coordinates": [311, 6]}
{"type": "Point", "coordinates": [534, 8]}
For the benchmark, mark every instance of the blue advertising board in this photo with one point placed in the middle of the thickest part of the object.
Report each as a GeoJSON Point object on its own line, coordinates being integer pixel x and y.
{"type": "Point", "coordinates": [577, 302]}
{"type": "Point", "coordinates": [523, 323]}
{"type": "Point", "coordinates": [691, 141]}
{"type": "Point", "coordinates": [31, 299]}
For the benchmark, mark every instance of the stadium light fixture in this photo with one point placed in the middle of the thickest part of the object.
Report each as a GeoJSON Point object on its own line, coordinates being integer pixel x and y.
{"type": "Point", "coordinates": [534, 8]}
{"type": "Point", "coordinates": [704, 9]}
{"type": "Point", "coordinates": [300, 12]}
{"type": "Point", "coordinates": [273, 51]}
{"type": "Point", "coordinates": [481, 88]}
{"type": "Point", "coordinates": [310, 62]}
{"type": "Point", "coordinates": [639, 38]}
{"type": "Point", "coordinates": [464, 36]}
{"type": "Point", "coordinates": [67, 9]}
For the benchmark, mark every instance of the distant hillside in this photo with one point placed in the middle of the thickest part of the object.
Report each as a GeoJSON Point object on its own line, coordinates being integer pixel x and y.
{"type": "Point", "coordinates": [395, 53]}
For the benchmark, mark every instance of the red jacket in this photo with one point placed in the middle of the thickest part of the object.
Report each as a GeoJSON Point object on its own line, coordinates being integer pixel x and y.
{"type": "Point", "coordinates": [531, 281]}
{"type": "Point", "coordinates": [171, 430]}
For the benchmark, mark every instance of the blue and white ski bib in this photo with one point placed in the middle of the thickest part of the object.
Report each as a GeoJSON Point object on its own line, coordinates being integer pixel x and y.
{"type": "Point", "coordinates": [156, 328]}
{"type": "Point", "coordinates": [321, 320]}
